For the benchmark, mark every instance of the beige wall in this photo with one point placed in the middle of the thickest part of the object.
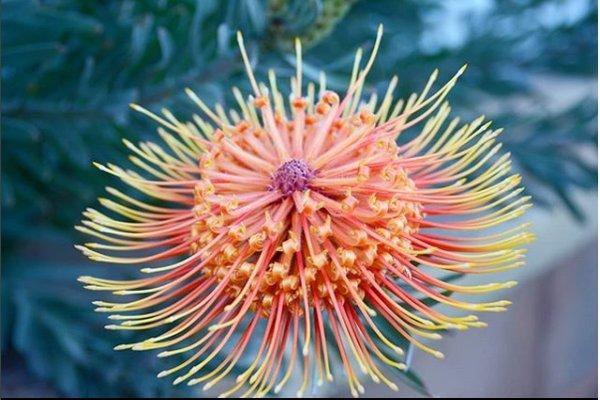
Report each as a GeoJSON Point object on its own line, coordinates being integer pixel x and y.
{"type": "Point", "coordinates": [545, 345]}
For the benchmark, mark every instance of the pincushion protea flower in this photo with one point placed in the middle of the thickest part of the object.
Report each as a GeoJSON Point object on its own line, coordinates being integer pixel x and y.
{"type": "Point", "coordinates": [302, 228]}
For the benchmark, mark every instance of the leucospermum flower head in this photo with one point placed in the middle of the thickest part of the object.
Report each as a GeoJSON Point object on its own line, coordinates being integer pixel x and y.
{"type": "Point", "coordinates": [290, 231]}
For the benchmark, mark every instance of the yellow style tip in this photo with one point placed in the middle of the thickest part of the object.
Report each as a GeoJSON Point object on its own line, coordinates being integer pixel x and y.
{"type": "Point", "coordinates": [361, 388]}
{"type": "Point", "coordinates": [178, 380]}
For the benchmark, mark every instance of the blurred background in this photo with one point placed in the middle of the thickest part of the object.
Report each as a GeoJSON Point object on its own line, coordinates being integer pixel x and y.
{"type": "Point", "coordinates": [70, 68]}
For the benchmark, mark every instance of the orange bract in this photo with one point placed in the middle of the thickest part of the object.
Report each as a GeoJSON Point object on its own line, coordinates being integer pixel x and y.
{"type": "Point", "coordinates": [302, 220]}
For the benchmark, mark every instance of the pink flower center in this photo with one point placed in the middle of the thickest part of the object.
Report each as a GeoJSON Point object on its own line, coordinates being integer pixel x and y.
{"type": "Point", "coordinates": [291, 176]}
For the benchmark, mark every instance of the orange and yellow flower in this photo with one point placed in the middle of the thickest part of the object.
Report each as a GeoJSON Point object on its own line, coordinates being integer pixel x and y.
{"type": "Point", "coordinates": [300, 227]}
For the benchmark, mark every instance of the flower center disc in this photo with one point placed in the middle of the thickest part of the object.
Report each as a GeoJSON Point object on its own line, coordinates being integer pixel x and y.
{"type": "Point", "coordinates": [291, 176]}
